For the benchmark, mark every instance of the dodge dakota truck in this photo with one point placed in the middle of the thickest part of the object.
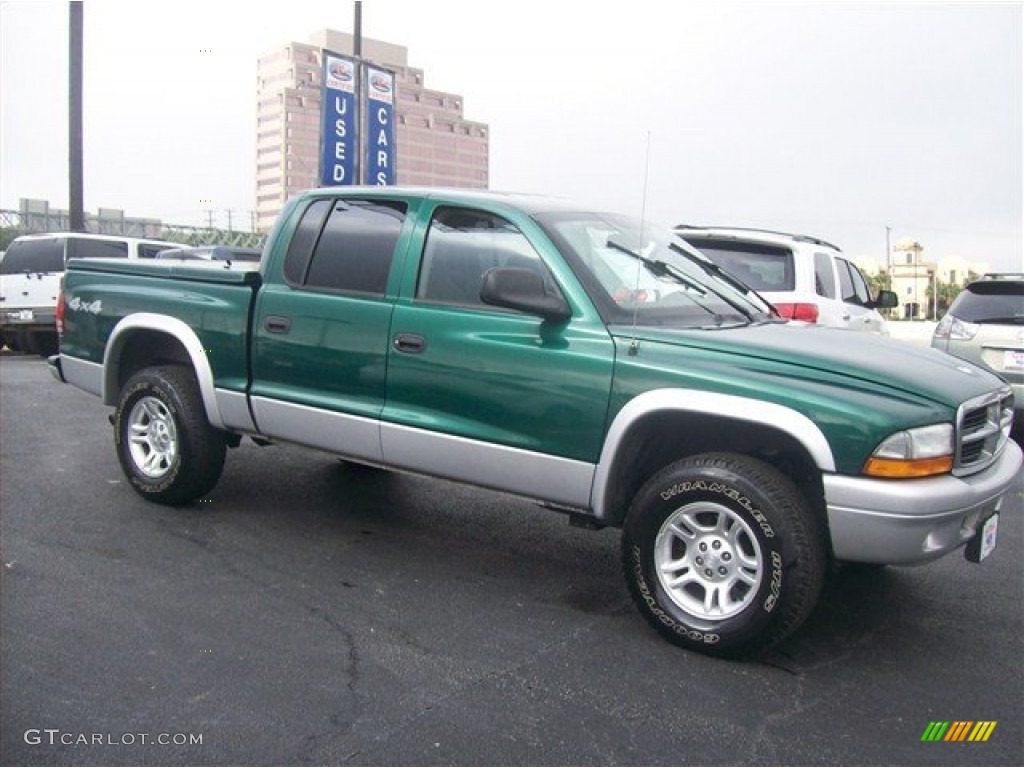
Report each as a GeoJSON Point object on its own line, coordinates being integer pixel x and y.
{"type": "Point", "coordinates": [593, 363]}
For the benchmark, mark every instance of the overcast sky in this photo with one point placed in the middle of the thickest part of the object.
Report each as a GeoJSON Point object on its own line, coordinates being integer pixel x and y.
{"type": "Point", "coordinates": [832, 119]}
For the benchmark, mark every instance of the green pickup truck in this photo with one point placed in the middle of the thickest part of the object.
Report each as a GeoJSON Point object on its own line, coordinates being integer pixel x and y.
{"type": "Point", "coordinates": [585, 360]}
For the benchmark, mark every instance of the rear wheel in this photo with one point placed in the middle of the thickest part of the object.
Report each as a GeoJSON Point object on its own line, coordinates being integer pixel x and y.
{"type": "Point", "coordinates": [167, 448]}
{"type": "Point", "coordinates": [723, 555]}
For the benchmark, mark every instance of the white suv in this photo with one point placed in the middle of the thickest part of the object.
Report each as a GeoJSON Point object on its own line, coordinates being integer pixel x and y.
{"type": "Point", "coordinates": [805, 278]}
{"type": "Point", "coordinates": [30, 276]}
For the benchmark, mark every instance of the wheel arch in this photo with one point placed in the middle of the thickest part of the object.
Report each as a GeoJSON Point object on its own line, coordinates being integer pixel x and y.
{"type": "Point", "coordinates": [145, 339]}
{"type": "Point", "coordinates": [662, 426]}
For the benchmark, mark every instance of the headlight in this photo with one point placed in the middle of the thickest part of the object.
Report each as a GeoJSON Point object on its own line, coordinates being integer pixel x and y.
{"type": "Point", "coordinates": [955, 329]}
{"type": "Point", "coordinates": [920, 452]}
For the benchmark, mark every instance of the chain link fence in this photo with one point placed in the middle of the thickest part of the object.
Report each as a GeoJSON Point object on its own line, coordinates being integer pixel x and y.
{"type": "Point", "coordinates": [16, 223]}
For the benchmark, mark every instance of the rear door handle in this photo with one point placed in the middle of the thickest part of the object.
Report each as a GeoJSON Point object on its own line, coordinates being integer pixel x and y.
{"type": "Point", "coordinates": [277, 324]}
{"type": "Point", "coordinates": [411, 343]}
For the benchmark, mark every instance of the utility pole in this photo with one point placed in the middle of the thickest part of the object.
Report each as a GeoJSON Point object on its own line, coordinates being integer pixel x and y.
{"type": "Point", "coordinates": [357, 54]}
{"type": "Point", "coordinates": [888, 255]}
{"type": "Point", "coordinates": [357, 31]}
{"type": "Point", "coordinates": [76, 197]}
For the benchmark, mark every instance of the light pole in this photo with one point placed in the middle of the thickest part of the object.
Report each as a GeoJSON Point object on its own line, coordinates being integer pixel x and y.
{"type": "Point", "coordinates": [76, 198]}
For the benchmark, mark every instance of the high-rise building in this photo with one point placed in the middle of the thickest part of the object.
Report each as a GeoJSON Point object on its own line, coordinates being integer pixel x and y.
{"type": "Point", "coordinates": [435, 144]}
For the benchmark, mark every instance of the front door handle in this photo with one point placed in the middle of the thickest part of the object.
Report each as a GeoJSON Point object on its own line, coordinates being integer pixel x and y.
{"type": "Point", "coordinates": [411, 343]}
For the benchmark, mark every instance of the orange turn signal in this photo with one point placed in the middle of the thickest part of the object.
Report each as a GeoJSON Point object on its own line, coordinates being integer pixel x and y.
{"type": "Point", "coordinates": [904, 468]}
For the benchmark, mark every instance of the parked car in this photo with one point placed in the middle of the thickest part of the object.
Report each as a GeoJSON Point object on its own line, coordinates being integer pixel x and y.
{"type": "Point", "coordinates": [805, 278]}
{"type": "Point", "coordinates": [30, 276]}
{"type": "Point", "coordinates": [985, 325]}
{"type": "Point", "coordinates": [226, 253]}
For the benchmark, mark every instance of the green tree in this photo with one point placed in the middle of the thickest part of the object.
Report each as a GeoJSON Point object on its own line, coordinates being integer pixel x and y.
{"type": "Point", "coordinates": [7, 235]}
{"type": "Point", "coordinates": [945, 292]}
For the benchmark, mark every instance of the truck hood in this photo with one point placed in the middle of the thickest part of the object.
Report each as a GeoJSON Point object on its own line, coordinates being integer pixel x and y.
{"type": "Point", "coordinates": [817, 353]}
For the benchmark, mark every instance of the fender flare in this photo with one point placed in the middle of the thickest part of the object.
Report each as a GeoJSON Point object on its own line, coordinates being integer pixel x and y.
{"type": "Point", "coordinates": [178, 330]}
{"type": "Point", "coordinates": [697, 402]}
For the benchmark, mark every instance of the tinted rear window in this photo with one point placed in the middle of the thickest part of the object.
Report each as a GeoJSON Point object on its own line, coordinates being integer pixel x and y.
{"type": "Point", "coordinates": [86, 248]}
{"type": "Point", "coordinates": [995, 301]}
{"type": "Point", "coordinates": [356, 247]}
{"type": "Point", "coordinates": [46, 255]}
{"type": "Point", "coordinates": [762, 267]}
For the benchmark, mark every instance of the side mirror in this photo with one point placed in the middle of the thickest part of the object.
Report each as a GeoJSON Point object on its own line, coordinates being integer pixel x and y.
{"type": "Point", "coordinates": [886, 300]}
{"type": "Point", "coordinates": [522, 290]}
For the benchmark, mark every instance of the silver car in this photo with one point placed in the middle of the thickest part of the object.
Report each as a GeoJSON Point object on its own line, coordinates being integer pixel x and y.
{"type": "Point", "coordinates": [985, 324]}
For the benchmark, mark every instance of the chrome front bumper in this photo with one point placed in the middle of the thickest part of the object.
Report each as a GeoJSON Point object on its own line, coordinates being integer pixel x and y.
{"type": "Point", "coordinates": [903, 522]}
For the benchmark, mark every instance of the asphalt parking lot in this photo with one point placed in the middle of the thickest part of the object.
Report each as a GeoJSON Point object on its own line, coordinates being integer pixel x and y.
{"type": "Point", "coordinates": [312, 612]}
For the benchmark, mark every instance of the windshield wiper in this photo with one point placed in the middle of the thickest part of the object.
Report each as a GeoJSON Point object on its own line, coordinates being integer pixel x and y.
{"type": "Point", "coordinates": [717, 271]}
{"type": "Point", "coordinates": [659, 268]}
{"type": "Point", "coordinates": [662, 268]}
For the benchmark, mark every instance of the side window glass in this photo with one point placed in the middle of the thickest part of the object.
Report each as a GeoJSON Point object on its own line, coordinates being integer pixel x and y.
{"type": "Point", "coordinates": [860, 285]}
{"type": "Point", "coordinates": [855, 287]}
{"type": "Point", "coordinates": [846, 290]}
{"type": "Point", "coordinates": [296, 261]}
{"type": "Point", "coordinates": [149, 251]}
{"type": "Point", "coordinates": [356, 247]}
{"type": "Point", "coordinates": [461, 246]}
{"type": "Point", "coordinates": [824, 276]}
{"type": "Point", "coordinates": [82, 248]}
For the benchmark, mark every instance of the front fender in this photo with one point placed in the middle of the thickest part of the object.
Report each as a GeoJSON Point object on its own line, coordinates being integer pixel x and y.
{"type": "Point", "coordinates": [700, 403]}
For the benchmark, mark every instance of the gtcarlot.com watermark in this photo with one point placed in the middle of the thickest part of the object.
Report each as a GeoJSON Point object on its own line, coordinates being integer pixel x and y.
{"type": "Point", "coordinates": [53, 737]}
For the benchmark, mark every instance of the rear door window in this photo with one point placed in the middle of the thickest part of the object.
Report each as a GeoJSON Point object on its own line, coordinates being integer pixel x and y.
{"type": "Point", "coordinates": [356, 247]}
{"type": "Point", "coordinates": [43, 255]}
{"type": "Point", "coordinates": [149, 250]}
{"type": "Point", "coordinates": [87, 248]}
{"type": "Point", "coordinates": [824, 276]}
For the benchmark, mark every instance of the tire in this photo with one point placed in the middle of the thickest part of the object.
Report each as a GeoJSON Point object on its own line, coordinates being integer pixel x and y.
{"type": "Point", "coordinates": [167, 449]}
{"type": "Point", "coordinates": [723, 555]}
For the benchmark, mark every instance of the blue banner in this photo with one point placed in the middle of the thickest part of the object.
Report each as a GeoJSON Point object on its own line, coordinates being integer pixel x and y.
{"type": "Point", "coordinates": [380, 128]}
{"type": "Point", "coordinates": [339, 123]}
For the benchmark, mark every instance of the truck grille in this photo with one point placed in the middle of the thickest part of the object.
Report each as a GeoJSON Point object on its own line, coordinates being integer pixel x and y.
{"type": "Point", "coordinates": [982, 427]}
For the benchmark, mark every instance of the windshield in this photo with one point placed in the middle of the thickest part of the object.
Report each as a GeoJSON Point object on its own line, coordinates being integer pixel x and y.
{"type": "Point", "coordinates": [647, 275]}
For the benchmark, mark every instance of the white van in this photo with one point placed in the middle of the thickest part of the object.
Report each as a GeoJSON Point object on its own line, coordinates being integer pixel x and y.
{"type": "Point", "coordinates": [30, 275]}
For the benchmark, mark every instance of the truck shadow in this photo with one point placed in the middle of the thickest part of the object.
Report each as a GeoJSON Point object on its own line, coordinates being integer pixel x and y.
{"type": "Point", "coordinates": [507, 543]}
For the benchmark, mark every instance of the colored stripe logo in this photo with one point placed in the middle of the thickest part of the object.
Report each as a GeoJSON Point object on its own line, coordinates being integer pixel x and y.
{"type": "Point", "coordinates": [958, 730]}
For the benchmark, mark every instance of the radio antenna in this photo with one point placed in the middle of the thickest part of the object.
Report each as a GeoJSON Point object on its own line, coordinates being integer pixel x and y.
{"type": "Point", "coordinates": [633, 344]}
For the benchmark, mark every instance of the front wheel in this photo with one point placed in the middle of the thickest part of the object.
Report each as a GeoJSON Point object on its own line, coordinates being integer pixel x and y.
{"type": "Point", "coordinates": [167, 449]}
{"type": "Point", "coordinates": [722, 554]}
